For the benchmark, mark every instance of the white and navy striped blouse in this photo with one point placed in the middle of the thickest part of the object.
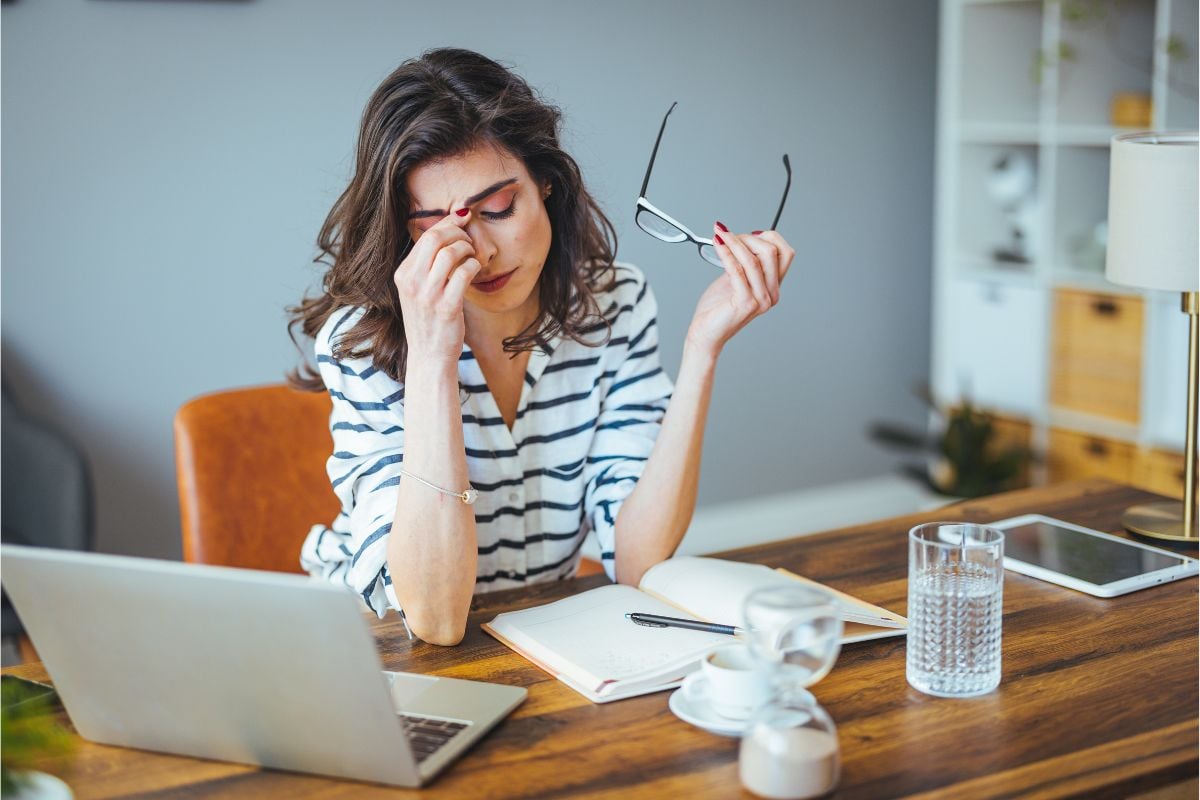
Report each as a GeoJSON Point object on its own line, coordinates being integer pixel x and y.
{"type": "Point", "coordinates": [587, 420]}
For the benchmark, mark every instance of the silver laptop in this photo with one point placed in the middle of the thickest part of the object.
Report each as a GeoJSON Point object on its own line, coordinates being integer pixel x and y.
{"type": "Point", "coordinates": [237, 665]}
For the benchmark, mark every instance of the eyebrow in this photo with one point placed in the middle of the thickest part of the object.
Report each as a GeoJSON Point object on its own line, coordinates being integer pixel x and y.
{"type": "Point", "coordinates": [472, 200]}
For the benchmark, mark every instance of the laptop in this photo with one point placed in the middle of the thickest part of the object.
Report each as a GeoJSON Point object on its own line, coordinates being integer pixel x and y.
{"type": "Point", "coordinates": [238, 665]}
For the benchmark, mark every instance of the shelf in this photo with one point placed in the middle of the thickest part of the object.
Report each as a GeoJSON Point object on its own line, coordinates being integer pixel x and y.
{"type": "Point", "coordinates": [977, 268]}
{"type": "Point", "coordinates": [1030, 133]}
{"type": "Point", "coordinates": [1067, 278]}
{"type": "Point", "coordinates": [1086, 135]}
{"type": "Point", "coordinates": [999, 329]}
{"type": "Point", "coordinates": [999, 133]}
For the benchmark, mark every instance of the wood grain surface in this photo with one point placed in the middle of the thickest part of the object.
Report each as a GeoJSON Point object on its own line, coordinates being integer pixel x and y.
{"type": "Point", "coordinates": [1098, 697]}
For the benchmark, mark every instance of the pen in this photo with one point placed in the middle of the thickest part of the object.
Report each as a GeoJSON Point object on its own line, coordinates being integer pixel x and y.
{"type": "Point", "coordinates": [654, 621]}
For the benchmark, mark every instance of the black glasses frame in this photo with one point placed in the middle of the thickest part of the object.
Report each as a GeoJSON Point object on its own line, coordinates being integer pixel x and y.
{"type": "Point", "coordinates": [707, 251]}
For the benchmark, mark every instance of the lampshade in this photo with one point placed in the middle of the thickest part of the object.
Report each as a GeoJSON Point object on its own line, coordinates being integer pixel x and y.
{"type": "Point", "coordinates": [1153, 213]}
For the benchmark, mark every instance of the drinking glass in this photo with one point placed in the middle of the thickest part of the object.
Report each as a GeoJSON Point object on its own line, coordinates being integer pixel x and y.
{"type": "Point", "coordinates": [955, 600]}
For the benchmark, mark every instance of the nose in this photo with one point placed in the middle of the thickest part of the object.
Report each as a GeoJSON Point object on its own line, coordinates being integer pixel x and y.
{"type": "Point", "coordinates": [485, 247]}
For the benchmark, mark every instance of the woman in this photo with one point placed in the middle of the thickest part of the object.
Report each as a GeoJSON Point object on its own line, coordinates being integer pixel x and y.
{"type": "Point", "coordinates": [506, 354]}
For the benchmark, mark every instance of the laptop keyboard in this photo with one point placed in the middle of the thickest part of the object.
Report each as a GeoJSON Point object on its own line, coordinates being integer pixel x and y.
{"type": "Point", "coordinates": [427, 736]}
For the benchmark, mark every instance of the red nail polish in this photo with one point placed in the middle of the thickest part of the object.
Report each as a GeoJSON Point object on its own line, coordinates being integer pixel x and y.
{"type": "Point", "coordinates": [721, 225]}
{"type": "Point", "coordinates": [719, 240]}
{"type": "Point", "coordinates": [462, 212]}
{"type": "Point", "coordinates": [756, 233]}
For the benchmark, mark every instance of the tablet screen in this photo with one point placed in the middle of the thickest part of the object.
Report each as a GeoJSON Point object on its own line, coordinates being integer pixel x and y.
{"type": "Point", "coordinates": [1088, 558]}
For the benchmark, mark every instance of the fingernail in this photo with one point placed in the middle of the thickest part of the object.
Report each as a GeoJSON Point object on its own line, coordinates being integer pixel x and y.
{"type": "Point", "coordinates": [721, 225]}
{"type": "Point", "coordinates": [462, 212]}
{"type": "Point", "coordinates": [718, 239]}
{"type": "Point", "coordinates": [756, 233]}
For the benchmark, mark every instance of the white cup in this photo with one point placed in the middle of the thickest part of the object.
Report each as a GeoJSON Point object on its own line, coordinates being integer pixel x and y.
{"type": "Point", "coordinates": [734, 684]}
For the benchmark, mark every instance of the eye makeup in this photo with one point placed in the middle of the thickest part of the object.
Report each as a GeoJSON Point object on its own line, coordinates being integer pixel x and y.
{"type": "Point", "coordinates": [502, 206]}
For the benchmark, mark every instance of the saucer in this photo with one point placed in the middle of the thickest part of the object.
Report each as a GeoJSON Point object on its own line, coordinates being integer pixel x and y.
{"type": "Point", "coordinates": [699, 714]}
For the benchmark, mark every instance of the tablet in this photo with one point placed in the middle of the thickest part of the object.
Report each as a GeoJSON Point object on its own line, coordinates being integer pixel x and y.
{"type": "Point", "coordinates": [1087, 560]}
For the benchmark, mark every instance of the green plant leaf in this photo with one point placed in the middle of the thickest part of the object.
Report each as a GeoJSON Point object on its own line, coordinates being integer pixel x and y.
{"type": "Point", "coordinates": [1074, 11]}
{"type": "Point", "coordinates": [29, 733]}
{"type": "Point", "coordinates": [898, 436]}
{"type": "Point", "coordinates": [1037, 69]}
{"type": "Point", "coordinates": [1176, 48]}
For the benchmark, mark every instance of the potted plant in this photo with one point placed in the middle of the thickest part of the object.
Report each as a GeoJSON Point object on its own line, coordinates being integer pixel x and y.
{"type": "Point", "coordinates": [30, 736]}
{"type": "Point", "coordinates": [1089, 15]}
{"type": "Point", "coordinates": [963, 455]}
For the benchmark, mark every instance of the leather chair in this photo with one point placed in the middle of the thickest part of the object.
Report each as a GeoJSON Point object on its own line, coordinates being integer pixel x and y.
{"type": "Point", "coordinates": [250, 465]}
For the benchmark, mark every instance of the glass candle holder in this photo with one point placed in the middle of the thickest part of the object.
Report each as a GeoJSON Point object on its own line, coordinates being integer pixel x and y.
{"type": "Point", "coordinates": [795, 632]}
{"type": "Point", "coordinates": [790, 750]}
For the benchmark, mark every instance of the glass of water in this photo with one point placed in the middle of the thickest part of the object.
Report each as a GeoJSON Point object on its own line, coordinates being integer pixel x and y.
{"type": "Point", "coordinates": [955, 603]}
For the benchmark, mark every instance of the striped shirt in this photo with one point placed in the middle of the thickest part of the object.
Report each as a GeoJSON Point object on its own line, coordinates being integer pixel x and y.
{"type": "Point", "coordinates": [587, 420]}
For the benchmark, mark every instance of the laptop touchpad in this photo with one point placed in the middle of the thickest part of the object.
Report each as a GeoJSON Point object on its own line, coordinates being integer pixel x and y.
{"type": "Point", "coordinates": [406, 687]}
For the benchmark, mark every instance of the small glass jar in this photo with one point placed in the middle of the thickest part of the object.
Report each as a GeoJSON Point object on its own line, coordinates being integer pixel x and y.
{"type": "Point", "coordinates": [790, 749]}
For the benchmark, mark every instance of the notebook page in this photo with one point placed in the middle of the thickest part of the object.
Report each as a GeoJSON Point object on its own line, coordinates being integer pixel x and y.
{"type": "Point", "coordinates": [587, 638]}
{"type": "Point", "coordinates": [710, 588]}
{"type": "Point", "coordinates": [855, 610]}
{"type": "Point", "coordinates": [714, 590]}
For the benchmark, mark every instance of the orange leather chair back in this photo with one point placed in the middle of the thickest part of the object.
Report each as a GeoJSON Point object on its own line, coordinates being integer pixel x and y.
{"type": "Point", "coordinates": [250, 464]}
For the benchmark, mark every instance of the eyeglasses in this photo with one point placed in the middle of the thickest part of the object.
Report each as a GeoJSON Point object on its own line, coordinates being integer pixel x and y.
{"type": "Point", "coordinates": [666, 228]}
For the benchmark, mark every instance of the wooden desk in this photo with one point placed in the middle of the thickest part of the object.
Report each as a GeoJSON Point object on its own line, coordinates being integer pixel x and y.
{"type": "Point", "coordinates": [1098, 697]}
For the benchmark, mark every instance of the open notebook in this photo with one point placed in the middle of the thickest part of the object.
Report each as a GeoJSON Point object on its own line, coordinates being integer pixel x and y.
{"type": "Point", "coordinates": [587, 643]}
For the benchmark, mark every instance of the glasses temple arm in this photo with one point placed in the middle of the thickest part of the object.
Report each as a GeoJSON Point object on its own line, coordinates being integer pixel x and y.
{"type": "Point", "coordinates": [654, 153]}
{"type": "Point", "coordinates": [788, 166]}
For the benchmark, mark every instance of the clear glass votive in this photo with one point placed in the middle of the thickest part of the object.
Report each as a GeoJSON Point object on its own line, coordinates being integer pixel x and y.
{"type": "Point", "coordinates": [955, 605]}
{"type": "Point", "coordinates": [794, 632]}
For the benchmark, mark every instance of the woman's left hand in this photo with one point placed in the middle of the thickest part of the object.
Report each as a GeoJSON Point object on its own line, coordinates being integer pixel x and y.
{"type": "Point", "coordinates": [755, 266]}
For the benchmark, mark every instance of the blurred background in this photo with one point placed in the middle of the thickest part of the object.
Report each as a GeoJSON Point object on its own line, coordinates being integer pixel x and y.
{"type": "Point", "coordinates": [167, 165]}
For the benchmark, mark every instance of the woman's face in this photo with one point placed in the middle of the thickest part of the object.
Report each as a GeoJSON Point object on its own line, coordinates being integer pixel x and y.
{"type": "Point", "coordinates": [509, 224]}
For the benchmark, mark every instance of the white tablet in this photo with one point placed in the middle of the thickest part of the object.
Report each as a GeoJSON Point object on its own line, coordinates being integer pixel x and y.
{"type": "Point", "coordinates": [1087, 560]}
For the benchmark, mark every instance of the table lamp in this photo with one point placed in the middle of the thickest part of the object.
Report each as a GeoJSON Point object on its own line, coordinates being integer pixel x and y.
{"type": "Point", "coordinates": [1152, 244]}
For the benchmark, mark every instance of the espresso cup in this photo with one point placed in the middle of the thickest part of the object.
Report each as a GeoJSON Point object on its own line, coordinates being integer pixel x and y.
{"type": "Point", "coordinates": [734, 684]}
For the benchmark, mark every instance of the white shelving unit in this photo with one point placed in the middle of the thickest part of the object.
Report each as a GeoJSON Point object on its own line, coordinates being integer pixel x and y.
{"type": "Point", "coordinates": [1004, 88]}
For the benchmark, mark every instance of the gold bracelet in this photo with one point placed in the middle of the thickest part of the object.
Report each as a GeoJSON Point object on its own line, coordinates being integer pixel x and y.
{"type": "Point", "coordinates": [468, 497]}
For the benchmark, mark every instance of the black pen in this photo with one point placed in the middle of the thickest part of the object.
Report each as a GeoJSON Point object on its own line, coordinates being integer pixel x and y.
{"type": "Point", "coordinates": [655, 621]}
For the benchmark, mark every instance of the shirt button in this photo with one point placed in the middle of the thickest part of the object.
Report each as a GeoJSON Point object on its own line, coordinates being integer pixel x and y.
{"type": "Point", "coordinates": [513, 497]}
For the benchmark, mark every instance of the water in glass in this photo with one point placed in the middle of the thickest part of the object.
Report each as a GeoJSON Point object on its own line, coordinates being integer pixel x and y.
{"type": "Point", "coordinates": [955, 603]}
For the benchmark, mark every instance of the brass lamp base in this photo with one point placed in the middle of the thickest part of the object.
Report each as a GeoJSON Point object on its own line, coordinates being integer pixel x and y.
{"type": "Point", "coordinates": [1159, 521]}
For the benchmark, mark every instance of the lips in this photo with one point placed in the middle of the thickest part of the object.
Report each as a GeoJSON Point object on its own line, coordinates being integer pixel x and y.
{"type": "Point", "coordinates": [493, 283]}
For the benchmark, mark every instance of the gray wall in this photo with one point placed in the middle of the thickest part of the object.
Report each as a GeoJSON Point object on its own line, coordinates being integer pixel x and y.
{"type": "Point", "coordinates": [166, 166]}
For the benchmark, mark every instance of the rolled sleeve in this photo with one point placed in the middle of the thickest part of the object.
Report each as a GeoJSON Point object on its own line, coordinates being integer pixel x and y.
{"type": "Point", "coordinates": [367, 427]}
{"type": "Point", "coordinates": [630, 418]}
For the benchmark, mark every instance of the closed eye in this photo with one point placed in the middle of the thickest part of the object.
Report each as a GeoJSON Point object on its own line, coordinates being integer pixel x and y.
{"type": "Point", "coordinates": [505, 214]}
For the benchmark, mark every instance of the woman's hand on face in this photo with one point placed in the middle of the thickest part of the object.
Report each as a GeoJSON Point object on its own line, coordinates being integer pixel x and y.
{"type": "Point", "coordinates": [755, 266]}
{"type": "Point", "coordinates": [432, 281]}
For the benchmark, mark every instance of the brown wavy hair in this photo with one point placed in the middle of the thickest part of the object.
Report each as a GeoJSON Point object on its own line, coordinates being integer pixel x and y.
{"type": "Point", "coordinates": [438, 106]}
